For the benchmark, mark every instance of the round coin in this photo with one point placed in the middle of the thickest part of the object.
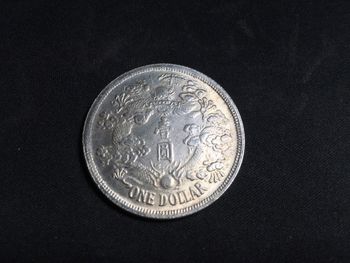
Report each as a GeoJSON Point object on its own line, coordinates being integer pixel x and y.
{"type": "Point", "coordinates": [163, 141]}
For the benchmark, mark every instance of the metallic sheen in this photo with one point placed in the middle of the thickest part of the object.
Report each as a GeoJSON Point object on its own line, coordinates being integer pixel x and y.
{"type": "Point", "coordinates": [163, 141]}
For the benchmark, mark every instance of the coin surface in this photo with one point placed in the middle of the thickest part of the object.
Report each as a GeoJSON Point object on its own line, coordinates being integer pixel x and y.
{"type": "Point", "coordinates": [163, 141]}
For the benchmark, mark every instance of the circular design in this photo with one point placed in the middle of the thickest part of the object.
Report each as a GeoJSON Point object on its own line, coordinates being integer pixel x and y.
{"type": "Point", "coordinates": [163, 141]}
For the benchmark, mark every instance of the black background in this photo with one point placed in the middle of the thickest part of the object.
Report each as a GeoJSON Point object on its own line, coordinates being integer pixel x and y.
{"type": "Point", "coordinates": [286, 66]}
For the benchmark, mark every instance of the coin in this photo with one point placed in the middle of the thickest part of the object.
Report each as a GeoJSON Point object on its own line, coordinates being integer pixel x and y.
{"type": "Point", "coordinates": [163, 141]}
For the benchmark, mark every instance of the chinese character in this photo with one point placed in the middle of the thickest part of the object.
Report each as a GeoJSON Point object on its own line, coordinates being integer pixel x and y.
{"type": "Point", "coordinates": [164, 151]}
{"type": "Point", "coordinates": [163, 128]}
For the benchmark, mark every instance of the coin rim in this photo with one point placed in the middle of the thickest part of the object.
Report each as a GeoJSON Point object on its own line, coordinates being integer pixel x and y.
{"type": "Point", "coordinates": [174, 213]}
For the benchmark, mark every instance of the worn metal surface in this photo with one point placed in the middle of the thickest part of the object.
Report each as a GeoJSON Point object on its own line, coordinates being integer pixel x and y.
{"type": "Point", "coordinates": [163, 141]}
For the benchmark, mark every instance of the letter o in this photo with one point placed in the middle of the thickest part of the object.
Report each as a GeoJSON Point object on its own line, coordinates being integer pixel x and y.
{"type": "Point", "coordinates": [134, 191]}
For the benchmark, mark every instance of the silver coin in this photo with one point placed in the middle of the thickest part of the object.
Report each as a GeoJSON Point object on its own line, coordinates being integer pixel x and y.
{"type": "Point", "coordinates": [163, 141]}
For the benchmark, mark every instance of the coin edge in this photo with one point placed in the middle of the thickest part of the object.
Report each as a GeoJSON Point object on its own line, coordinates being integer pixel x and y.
{"type": "Point", "coordinates": [175, 213]}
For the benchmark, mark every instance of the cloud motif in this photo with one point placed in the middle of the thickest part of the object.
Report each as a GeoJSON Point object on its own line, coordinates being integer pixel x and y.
{"type": "Point", "coordinates": [130, 148]}
{"type": "Point", "coordinates": [216, 118]}
{"type": "Point", "coordinates": [213, 136]}
{"type": "Point", "coordinates": [192, 138]}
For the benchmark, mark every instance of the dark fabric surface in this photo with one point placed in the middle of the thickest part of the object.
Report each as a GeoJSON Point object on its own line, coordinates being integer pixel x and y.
{"type": "Point", "coordinates": [286, 66]}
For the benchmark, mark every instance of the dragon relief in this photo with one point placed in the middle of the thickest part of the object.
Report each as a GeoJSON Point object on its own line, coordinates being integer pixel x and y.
{"type": "Point", "coordinates": [207, 142]}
